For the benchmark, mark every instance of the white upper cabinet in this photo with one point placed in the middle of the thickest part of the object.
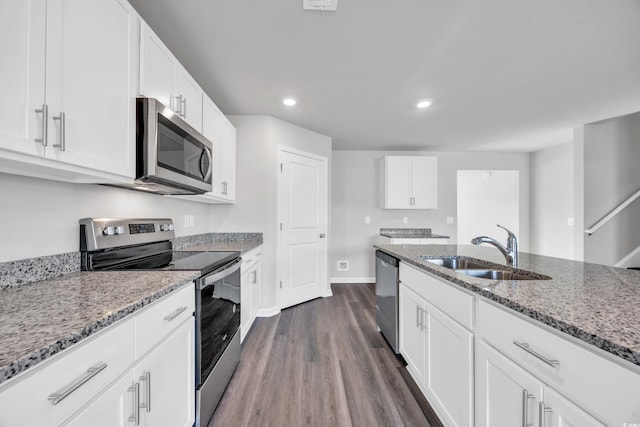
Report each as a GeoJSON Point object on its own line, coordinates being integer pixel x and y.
{"type": "Point", "coordinates": [217, 129]}
{"type": "Point", "coordinates": [164, 78]}
{"type": "Point", "coordinates": [410, 182]}
{"type": "Point", "coordinates": [69, 93]}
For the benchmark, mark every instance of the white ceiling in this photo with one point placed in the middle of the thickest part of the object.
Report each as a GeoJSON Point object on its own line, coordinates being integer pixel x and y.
{"type": "Point", "coordinates": [505, 74]}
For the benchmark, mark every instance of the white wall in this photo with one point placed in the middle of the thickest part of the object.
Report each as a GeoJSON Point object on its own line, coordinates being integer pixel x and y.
{"type": "Point", "coordinates": [40, 217]}
{"type": "Point", "coordinates": [255, 210]}
{"type": "Point", "coordinates": [611, 175]}
{"type": "Point", "coordinates": [552, 201]}
{"type": "Point", "coordinates": [356, 194]}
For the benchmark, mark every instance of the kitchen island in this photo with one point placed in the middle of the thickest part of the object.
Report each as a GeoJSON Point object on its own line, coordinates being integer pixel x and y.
{"type": "Point", "coordinates": [561, 346]}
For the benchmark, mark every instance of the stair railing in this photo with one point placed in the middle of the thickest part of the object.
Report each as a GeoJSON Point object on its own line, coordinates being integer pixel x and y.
{"type": "Point", "coordinates": [611, 214]}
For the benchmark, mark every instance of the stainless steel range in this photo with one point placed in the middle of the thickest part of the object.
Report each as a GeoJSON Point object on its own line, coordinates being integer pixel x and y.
{"type": "Point", "coordinates": [145, 244]}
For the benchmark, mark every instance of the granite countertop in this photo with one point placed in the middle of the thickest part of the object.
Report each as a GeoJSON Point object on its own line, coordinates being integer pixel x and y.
{"type": "Point", "coordinates": [410, 233]}
{"type": "Point", "coordinates": [597, 304]}
{"type": "Point", "coordinates": [41, 319]}
{"type": "Point", "coordinates": [240, 246]}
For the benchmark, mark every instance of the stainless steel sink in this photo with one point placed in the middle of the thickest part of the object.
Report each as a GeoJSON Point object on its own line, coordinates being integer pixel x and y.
{"type": "Point", "coordinates": [496, 275]}
{"type": "Point", "coordinates": [482, 269]}
{"type": "Point", "coordinates": [457, 263]}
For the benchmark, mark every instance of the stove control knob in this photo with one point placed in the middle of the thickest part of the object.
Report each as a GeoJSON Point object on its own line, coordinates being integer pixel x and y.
{"type": "Point", "coordinates": [171, 227]}
{"type": "Point", "coordinates": [108, 231]}
{"type": "Point", "coordinates": [119, 230]}
{"type": "Point", "coordinates": [164, 227]}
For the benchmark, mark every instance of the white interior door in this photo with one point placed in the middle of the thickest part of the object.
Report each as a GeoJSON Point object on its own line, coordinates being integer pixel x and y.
{"type": "Point", "coordinates": [302, 247]}
{"type": "Point", "coordinates": [487, 198]}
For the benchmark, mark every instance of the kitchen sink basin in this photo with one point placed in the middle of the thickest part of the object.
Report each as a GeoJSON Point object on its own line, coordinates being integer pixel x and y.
{"type": "Point", "coordinates": [456, 263]}
{"type": "Point", "coordinates": [496, 275]}
{"type": "Point", "coordinates": [482, 269]}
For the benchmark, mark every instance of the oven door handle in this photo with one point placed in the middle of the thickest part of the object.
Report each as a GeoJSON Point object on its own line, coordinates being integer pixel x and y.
{"type": "Point", "coordinates": [228, 270]}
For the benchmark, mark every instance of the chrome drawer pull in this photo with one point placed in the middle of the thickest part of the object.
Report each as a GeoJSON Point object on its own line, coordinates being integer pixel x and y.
{"type": "Point", "coordinates": [45, 120]}
{"type": "Point", "coordinates": [543, 410]}
{"type": "Point", "coordinates": [135, 418]}
{"type": "Point", "coordinates": [147, 379]}
{"type": "Point", "coordinates": [527, 348]}
{"type": "Point", "coordinates": [525, 407]}
{"type": "Point", "coordinates": [59, 396]}
{"type": "Point", "coordinates": [62, 145]}
{"type": "Point", "coordinates": [176, 313]}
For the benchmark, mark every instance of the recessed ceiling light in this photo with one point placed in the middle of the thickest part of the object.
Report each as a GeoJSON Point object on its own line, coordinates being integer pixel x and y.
{"type": "Point", "coordinates": [424, 103]}
{"type": "Point", "coordinates": [289, 102]}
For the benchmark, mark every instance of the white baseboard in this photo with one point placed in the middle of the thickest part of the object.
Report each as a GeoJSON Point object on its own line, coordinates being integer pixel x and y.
{"type": "Point", "coordinates": [329, 293]}
{"type": "Point", "coordinates": [268, 312]}
{"type": "Point", "coordinates": [353, 280]}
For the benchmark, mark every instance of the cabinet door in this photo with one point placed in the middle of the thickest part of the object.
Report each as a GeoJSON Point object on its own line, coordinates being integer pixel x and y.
{"type": "Point", "coordinates": [506, 395]}
{"type": "Point", "coordinates": [167, 381]}
{"type": "Point", "coordinates": [256, 294]}
{"type": "Point", "coordinates": [559, 412]}
{"type": "Point", "coordinates": [91, 57]}
{"type": "Point", "coordinates": [245, 303]}
{"type": "Point", "coordinates": [156, 68]}
{"type": "Point", "coordinates": [229, 160]}
{"type": "Point", "coordinates": [212, 120]}
{"type": "Point", "coordinates": [111, 409]}
{"type": "Point", "coordinates": [449, 372]}
{"type": "Point", "coordinates": [190, 95]}
{"type": "Point", "coordinates": [397, 186]}
{"type": "Point", "coordinates": [412, 335]}
{"type": "Point", "coordinates": [22, 48]}
{"type": "Point", "coordinates": [424, 182]}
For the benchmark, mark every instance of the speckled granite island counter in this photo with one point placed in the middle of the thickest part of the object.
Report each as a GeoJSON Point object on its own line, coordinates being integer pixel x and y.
{"type": "Point", "coordinates": [41, 319]}
{"type": "Point", "coordinates": [597, 304]}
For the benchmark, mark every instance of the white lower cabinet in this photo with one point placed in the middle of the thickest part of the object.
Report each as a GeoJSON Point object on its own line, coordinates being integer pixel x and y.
{"type": "Point", "coordinates": [165, 381]}
{"type": "Point", "coordinates": [559, 412]}
{"type": "Point", "coordinates": [439, 356]}
{"type": "Point", "coordinates": [113, 379]}
{"type": "Point", "coordinates": [250, 289]}
{"type": "Point", "coordinates": [506, 394]}
{"type": "Point", "coordinates": [111, 409]}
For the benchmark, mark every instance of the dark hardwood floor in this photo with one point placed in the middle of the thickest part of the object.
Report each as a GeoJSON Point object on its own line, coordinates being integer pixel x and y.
{"type": "Point", "coordinates": [322, 363]}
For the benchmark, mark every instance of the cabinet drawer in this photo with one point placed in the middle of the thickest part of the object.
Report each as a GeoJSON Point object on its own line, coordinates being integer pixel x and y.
{"type": "Point", "coordinates": [250, 258]}
{"type": "Point", "coordinates": [25, 401]}
{"type": "Point", "coordinates": [453, 302]}
{"type": "Point", "coordinates": [162, 317]}
{"type": "Point", "coordinates": [601, 386]}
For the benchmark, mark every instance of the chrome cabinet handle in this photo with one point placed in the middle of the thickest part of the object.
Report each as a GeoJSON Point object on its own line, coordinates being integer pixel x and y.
{"type": "Point", "coordinates": [62, 145]}
{"type": "Point", "coordinates": [178, 103]}
{"type": "Point", "coordinates": [418, 317]}
{"type": "Point", "coordinates": [322, 235]}
{"type": "Point", "coordinates": [184, 111]}
{"type": "Point", "coordinates": [135, 418]}
{"type": "Point", "coordinates": [254, 275]}
{"type": "Point", "coordinates": [45, 124]}
{"type": "Point", "coordinates": [423, 319]}
{"type": "Point", "coordinates": [147, 379]}
{"type": "Point", "coordinates": [543, 410]}
{"type": "Point", "coordinates": [169, 317]}
{"type": "Point", "coordinates": [525, 407]}
{"type": "Point", "coordinates": [525, 346]}
{"type": "Point", "coordinates": [224, 187]}
{"type": "Point", "coordinates": [59, 396]}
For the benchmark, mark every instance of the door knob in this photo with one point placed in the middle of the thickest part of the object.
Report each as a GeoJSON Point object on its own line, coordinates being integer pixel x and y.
{"type": "Point", "coordinates": [322, 235]}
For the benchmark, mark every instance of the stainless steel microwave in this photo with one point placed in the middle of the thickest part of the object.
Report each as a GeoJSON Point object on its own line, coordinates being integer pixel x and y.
{"type": "Point", "coordinates": [171, 156]}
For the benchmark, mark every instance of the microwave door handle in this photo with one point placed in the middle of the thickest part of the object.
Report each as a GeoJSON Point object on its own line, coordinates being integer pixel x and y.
{"type": "Point", "coordinates": [207, 175]}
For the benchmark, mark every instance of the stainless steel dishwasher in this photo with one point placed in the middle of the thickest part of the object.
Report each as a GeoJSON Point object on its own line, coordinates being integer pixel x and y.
{"type": "Point", "coordinates": [387, 282]}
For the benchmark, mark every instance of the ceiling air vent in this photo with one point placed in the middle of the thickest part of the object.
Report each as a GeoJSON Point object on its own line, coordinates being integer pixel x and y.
{"type": "Point", "coordinates": [323, 5]}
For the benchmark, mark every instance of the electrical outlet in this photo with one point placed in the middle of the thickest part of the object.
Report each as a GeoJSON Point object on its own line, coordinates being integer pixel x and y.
{"type": "Point", "coordinates": [188, 221]}
{"type": "Point", "coordinates": [367, 220]}
{"type": "Point", "coordinates": [405, 220]}
{"type": "Point", "coordinates": [570, 221]}
{"type": "Point", "coordinates": [343, 265]}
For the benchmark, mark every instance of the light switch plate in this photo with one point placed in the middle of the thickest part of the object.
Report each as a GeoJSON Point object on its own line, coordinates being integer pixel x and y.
{"type": "Point", "coordinates": [367, 220]}
{"type": "Point", "coordinates": [405, 220]}
{"type": "Point", "coordinates": [570, 221]}
{"type": "Point", "coordinates": [450, 220]}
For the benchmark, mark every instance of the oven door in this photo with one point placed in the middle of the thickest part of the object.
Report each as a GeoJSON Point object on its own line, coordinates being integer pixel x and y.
{"type": "Point", "coordinates": [217, 316]}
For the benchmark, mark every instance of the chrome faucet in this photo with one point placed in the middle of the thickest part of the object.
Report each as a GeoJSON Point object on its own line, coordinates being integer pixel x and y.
{"type": "Point", "coordinates": [510, 252]}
